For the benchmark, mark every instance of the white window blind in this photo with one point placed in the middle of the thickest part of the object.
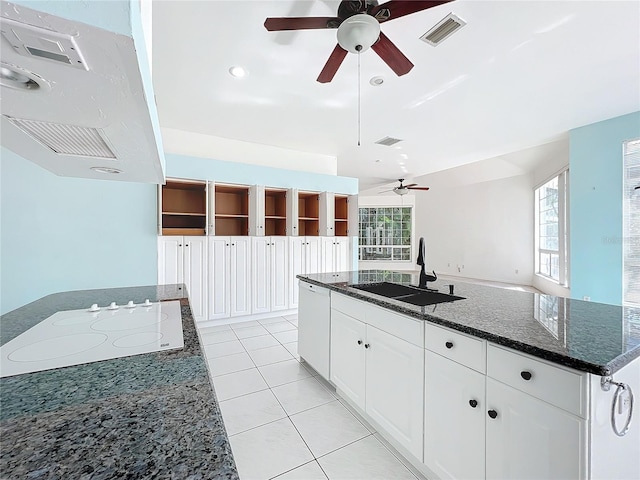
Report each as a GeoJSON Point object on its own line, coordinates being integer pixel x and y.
{"type": "Point", "coordinates": [631, 224]}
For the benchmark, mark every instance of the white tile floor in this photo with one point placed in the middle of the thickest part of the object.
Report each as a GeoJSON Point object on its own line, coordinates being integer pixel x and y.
{"type": "Point", "coordinates": [283, 421]}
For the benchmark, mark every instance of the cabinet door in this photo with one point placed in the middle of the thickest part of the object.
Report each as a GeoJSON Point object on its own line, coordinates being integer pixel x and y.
{"type": "Point", "coordinates": [219, 279]}
{"type": "Point", "coordinates": [327, 214]}
{"type": "Point", "coordinates": [297, 250]}
{"type": "Point", "coordinates": [313, 253]}
{"type": "Point", "coordinates": [353, 216]}
{"type": "Point", "coordinates": [260, 253]}
{"type": "Point", "coordinates": [279, 273]}
{"type": "Point", "coordinates": [394, 387]}
{"type": "Point", "coordinates": [240, 275]}
{"type": "Point", "coordinates": [327, 256]}
{"type": "Point", "coordinates": [170, 261]}
{"type": "Point", "coordinates": [531, 439]}
{"type": "Point", "coordinates": [256, 211]}
{"type": "Point", "coordinates": [347, 356]}
{"type": "Point", "coordinates": [341, 254]}
{"type": "Point", "coordinates": [454, 418]}
{"type": "Point", "coordinates": [195, 275]}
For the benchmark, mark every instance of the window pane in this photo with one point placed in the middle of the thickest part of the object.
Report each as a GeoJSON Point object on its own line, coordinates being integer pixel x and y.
{"type": "Point", "coordinates": [382, 228]}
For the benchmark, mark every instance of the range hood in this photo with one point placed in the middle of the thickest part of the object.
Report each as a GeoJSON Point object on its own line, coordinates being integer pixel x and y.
{"type": "Point", "coordinates": [75, 97]}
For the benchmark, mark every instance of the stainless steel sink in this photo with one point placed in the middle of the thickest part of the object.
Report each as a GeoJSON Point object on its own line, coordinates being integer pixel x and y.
{"type": "Point", "coordinates": [408, 294]}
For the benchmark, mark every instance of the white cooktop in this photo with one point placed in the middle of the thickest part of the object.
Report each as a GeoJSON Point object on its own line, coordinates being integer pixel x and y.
{"type": "Point", "coordinates": [74, 337]}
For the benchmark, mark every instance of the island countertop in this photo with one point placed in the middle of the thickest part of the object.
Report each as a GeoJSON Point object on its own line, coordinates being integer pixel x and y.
{"type": "Point", "coordinates": [587, 336]}
{"type": "Point", "coordinates": [152, 415]}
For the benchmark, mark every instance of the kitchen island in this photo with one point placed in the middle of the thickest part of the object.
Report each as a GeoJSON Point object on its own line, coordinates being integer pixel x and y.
{"type": "Point", "coordinates": [153, 415]}
{"type": "Point", "coordinates": [510, 381]}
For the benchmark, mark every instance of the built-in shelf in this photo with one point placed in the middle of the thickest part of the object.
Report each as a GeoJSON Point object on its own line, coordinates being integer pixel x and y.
{"type": "Point", "coordinates": [275, 212]}
{"type": "Point", "coordinates": [184, 208]}
{"type": "Point", "coordinates": [308, 214]}
{"type": "Point", "coordinates": [231, 210]}
{"type": "Point", "coordinates": [341, 216]}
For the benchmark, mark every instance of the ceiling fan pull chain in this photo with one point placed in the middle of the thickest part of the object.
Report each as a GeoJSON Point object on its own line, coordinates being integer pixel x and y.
{"type": "Point", "coordinates": [359, 50]}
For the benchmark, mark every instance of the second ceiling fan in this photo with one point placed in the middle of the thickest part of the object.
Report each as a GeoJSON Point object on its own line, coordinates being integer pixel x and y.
{"type": "Point", "coordinates": [358, 24]}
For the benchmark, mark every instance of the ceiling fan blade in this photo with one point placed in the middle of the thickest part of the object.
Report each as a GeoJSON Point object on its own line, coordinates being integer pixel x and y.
{"type": "Point", "coordinates": [391, 55]}
{"type": "Point", "coordinates": [332, 65]}
{"type": "Point", "coordinates": [385, 191]}
{"type": "Point", "coordinates": [418, 188]}
{"type": "Point", "coordinates": [411, 185]}
{"type": "Point", "coordinates": [400, 8]}
{"type": "Point", "coordinates": [301, 23]}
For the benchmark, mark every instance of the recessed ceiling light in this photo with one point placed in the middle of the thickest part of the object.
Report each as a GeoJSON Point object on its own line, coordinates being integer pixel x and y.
{"type": "Point", "coordinates": [237, 71]}
{"type": "Point", "coordinates": [106, 170]}
{"type": "Point", "coordinates": [376, 81]}
{"type": "Point", "coordinates": [18, 78]}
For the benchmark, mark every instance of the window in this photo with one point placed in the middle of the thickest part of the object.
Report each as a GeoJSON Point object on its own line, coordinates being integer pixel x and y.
{"type": "Point", "coordinates": [551, 229]}
{"type": "Point", "coordinates": [385, 233]}
{"type": "Point", "coordinates": [631, 224]}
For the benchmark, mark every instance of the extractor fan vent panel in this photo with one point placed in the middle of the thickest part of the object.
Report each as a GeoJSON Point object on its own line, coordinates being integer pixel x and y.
{"type": "Point", "coordinates": [66, 139]}
{"type": "Point", "coordinates": [443, 29]}
{"type": "Point", "coordinates": [388, 141]}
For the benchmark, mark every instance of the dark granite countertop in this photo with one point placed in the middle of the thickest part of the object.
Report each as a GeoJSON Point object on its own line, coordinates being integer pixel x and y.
{"type": "Point", "coordinates": [591, 337]}
{"type": "Point", "coordinates": [153, 415]}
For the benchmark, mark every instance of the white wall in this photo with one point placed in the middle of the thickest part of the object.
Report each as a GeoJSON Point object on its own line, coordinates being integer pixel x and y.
{"type": "Point", "coordinates": [208, 146]}
{"type": "Point", "coordinates": [483, 230]}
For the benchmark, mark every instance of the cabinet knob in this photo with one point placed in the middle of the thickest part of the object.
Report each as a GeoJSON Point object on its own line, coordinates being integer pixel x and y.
{"type": "Point", "coordinates": [366, 345]}
{"type": "Point", "coordinates": [233, 244]}
{"type": "Point", "coordinates": [227, 244]}
{"type": "Point", "coordinates": [179, 244]}
{"type": "Point", "coordinates": [449, 344]}
{"type": "Point", "coordinates": [359, 342]}
{"type": "Point", "coordinates": [526, 375]}
{"type": "Point", "coordinates": [473, 403]}
{"type": "Point", "coordinates": [493, 413]}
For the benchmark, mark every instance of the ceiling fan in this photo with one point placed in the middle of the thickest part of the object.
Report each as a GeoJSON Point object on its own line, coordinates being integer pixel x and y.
{"type": "Point", "coordinates": [358, 24]}
{"type": "Point", "coordinates": [404, 189]}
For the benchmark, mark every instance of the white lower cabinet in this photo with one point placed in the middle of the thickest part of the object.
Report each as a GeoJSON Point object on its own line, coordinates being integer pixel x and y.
{"type": "Point", "coordinates": [229, 277]}
{"type": "Point", "coordinates": [454, 419]}
{"type": "Point", "coordinates": [382, 375]}
{"type": "Point", "coordinates": [530, 439]}
{"type": "Point", "coordinates": [335, 254]}
{"type": "Point", "coordinates": [304, 258]}
{"type": "Point", "coordinates": [183, 259]}
{"type": "Point", "coordinates": [269, 282]}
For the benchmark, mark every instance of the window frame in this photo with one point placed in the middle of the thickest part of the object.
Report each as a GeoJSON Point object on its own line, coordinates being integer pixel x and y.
{"type": "Point", "coordinates": [562, 177]}
{"type": "Point", "coordinates": [399, 246]}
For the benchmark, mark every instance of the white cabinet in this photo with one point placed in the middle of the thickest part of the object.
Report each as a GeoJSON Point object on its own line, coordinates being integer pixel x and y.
{"type": "Point", "coordinates": [184, 260]}
{"type": "Point", "coordinates": [314, 329]}
{"type": "Point", "coordinates": [269, 276]}
{"type": "Point", "coordinates": [327, 219]}
{"type": "Point", "coordinates": [531, 439]}
{"type": "Point", "coordinates": [382, 375]}
{"type": "Point", "coordinates": [335, 254]}
{"type": "Point", "coordinates": [229, 277]}
{"type": "Point", "coordinates": [454, 419]}
{"type": "Point", "coordinates": [304, 257]}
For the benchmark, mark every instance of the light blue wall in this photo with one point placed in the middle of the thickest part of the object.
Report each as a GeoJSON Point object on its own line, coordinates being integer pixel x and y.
{"type": "Point", "coordinates": [59, 234]}
{"type": "Point", "coordinates": [595, 170]}
{"type": "Point", "coordinates": [180, 166]}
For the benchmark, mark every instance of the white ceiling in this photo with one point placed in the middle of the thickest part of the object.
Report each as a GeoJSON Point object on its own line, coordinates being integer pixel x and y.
{"type": "Point", "coordinates": [519, 74]}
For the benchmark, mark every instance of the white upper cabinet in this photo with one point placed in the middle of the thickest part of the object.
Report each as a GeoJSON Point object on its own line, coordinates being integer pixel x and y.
{"type": "Point", "coordinates": [327, 219]}
{"type": "Point", "coordinates": [256, 211]}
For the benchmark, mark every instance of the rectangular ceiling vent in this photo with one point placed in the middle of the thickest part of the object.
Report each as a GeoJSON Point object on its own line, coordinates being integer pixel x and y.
{"type": "Point", "coordinates": [66, 139]}
{"type": "Point", "coordinates": [388, 141]}
{"type": "Point", "coordinates": [443, 29]}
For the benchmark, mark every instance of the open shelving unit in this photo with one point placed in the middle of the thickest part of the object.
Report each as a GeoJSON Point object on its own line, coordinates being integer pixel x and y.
{"type": "Point", "coordinates": [341, 216]}
{"type": "Point", "coordinates": [308, 214]}
{"type": "Point", "coordinates": [184, 208]}
{"type": "Point", "coordinates": [231, 210]}
{"type": "Point", "coordinates": [275, 212]}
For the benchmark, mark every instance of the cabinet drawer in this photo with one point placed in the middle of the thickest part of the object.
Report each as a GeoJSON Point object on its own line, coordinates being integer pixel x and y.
{"type": "Point", "coordinates": [556, 385]}
{"type": "Point", "coordinates": [461, 348]}
{"type": "Point", "coordinates": [401, 326]}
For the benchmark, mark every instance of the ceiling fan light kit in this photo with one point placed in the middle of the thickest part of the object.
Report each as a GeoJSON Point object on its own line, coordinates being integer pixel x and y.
{"type": "Point", "coordinates": [358, 31]}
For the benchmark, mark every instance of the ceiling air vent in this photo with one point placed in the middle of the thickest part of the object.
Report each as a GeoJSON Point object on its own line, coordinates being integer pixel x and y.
{"type": "Point", "coordinates": [66, 139]}
{"type": "Point", "coordinates": [443, 29]}
{"type": "Point", "coordinates": [388, 141]}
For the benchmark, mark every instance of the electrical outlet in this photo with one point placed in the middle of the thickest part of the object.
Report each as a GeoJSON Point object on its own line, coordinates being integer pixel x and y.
{"type": "Point", "coordinates": [586, 298]}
